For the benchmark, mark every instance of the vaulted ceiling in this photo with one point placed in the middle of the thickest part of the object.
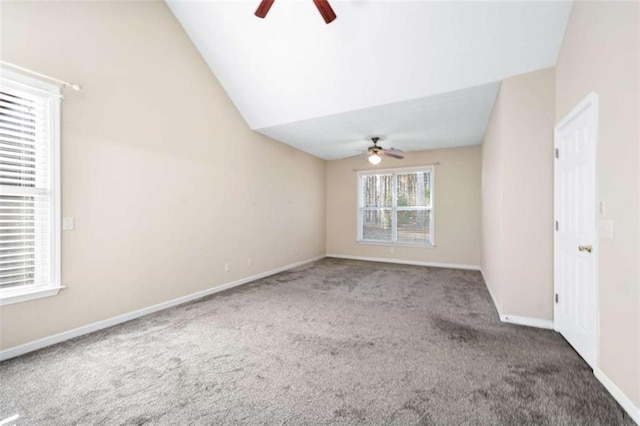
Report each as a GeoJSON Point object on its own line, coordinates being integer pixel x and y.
{"type": "Point", "coordinates": [421, 74]}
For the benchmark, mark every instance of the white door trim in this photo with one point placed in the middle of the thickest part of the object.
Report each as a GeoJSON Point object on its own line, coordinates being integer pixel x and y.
{"type": "Point", "coordinates": [591, 100]}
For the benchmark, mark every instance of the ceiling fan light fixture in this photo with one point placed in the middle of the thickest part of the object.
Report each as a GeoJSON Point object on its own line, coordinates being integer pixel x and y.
{"type": "Point", "coordinates": [375, 159]}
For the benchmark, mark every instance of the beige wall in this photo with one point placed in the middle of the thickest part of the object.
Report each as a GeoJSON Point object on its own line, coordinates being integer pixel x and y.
{"type": "Point", "coordinates": [165, 180]}
{"type": "Point", "coordinates": [491, 206]}
{"type": "Point", "coordinates": [527, 215]}
{"type": "Point", "coordinates": [517, 196]}
{"type": "Point", "coordinates": [600, 53]}
{"type": "Point", "coordinates": [456, 206]}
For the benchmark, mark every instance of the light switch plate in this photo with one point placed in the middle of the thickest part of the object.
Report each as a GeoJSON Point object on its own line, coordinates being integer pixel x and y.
{"type": "Point", "coordinates": [68, 224]}
{"type": "Point", "coordinates": [605, 229]}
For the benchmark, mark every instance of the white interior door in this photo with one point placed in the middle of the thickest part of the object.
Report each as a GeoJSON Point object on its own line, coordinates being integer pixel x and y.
{"type": "Point", "coordinates": [575, 242]}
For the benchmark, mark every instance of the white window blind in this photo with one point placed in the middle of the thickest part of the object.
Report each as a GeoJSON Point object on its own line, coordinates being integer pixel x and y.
{"type": "Point", "coordinates": [28, 199]}
{"type": "Point", "coordinates": [396, 206]}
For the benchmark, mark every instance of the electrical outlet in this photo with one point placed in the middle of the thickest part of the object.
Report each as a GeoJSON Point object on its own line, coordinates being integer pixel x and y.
{"type": "Point", "coordinates": [392, 250]}
{"type": "Point", "coordinates": [227, 268]}
{"type": "Point", "coordinates": [68, 224]}
{"type": "Point", "coordinates": [605, 229]}
{"type": "Point", "coordinates": [249, 262]}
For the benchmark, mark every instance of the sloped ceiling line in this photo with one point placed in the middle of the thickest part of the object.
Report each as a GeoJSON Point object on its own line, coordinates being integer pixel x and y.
{"type": "Point", "coordinates": [424, 73]}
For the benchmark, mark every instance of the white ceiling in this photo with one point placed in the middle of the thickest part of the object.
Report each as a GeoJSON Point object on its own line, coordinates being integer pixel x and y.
{"type": "Point", "coordinates": [421, 73]}
{"type": "Point", "coordinates": [450, 119]}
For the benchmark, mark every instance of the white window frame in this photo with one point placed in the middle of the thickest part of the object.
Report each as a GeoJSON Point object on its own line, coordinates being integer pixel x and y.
{"type": "Point", "coordinates": [51, 93]}
{"type": "Point", "coordinates": [394, 231]}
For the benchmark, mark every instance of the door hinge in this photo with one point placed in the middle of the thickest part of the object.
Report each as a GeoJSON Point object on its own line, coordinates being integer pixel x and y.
{"type": "Point", "coordinates": [557, 153]}
{"type": "Point", "coordinates": [556, 297]}
{"type": "Point", "coordinates": [557, 225]}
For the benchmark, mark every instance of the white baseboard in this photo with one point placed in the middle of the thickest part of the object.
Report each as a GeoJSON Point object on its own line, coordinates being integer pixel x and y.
{"type": "Point", "coordinates": [407, 262]}
{"type": "Point", "coordinates": [90, 328]}
{"type": "Point", "coordinates": [527, 321]}
{"type": "Point", "coordinates": [516, 319]}
{"type": "Point", "coordinates": [618, 395]}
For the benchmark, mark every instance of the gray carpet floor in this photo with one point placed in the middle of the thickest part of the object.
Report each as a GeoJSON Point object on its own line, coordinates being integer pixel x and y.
{"type": "Point", "coordinates": [333, 342]}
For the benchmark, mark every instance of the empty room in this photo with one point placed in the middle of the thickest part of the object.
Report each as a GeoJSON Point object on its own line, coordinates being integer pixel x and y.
{"type": "Point", "coordinates": [317, 212]}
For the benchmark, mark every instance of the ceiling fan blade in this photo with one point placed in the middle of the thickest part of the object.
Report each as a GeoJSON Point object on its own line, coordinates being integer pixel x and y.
{"type": "Point", "coordinates": [391, 154]}
{"type": "Point", "coordinates": [263, 8]}
{"type": "Point", "coordinates": [325, 10]}
{"type": "Point", "coordinates": [395, 150]}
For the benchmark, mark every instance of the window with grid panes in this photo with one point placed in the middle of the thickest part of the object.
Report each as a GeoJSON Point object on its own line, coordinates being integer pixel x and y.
{"type": "Point", "coordinates": [396, 206]}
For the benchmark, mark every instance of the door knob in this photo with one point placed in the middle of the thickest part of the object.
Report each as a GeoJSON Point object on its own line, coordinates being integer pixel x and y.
{"type": "Point", "coordinates": [588, 249]}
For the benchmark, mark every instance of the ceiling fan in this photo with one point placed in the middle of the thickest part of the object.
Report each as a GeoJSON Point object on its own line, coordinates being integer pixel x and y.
{"type": "Point", "coordinates": [323, 7]}
{"type": "Point", "coordinates": [374, 152]}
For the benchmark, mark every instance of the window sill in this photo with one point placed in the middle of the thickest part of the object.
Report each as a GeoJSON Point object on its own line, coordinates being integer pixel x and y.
{"type": "Point", "coordinates": [390, 244]}
{"type": "Point", "coordinates": [9, 297]}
